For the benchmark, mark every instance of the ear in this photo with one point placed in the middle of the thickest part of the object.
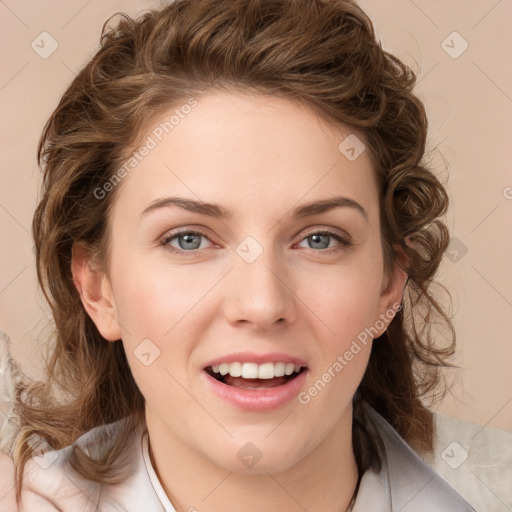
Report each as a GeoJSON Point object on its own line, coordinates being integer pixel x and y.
{"type": "Point", "coordinates": [95, 292]}
{"type": "Point", "coordinates": [392, 291]}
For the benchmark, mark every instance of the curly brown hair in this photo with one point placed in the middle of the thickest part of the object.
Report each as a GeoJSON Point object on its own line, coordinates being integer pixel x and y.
{"type": "Point", "coordinates": [320, 53]}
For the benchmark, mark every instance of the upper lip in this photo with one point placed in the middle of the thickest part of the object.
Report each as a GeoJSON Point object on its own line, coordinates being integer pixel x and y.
{"type": "Point", "coordinates": [252, 357]}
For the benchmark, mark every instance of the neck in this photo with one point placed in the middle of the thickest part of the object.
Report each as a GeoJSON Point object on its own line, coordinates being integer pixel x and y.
{"type": "Point", "coordinates": [325, 479]}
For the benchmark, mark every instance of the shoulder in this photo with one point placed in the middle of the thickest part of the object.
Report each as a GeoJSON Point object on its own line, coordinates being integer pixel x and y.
{"type": "Point", "coordinates": [44, 484]}
{"type": "Point", "coordinates": [474, 459]}
{"type": "Point", "coordinates": [412, 485]}
{"type": "Point", "coordinates": [51, 484]}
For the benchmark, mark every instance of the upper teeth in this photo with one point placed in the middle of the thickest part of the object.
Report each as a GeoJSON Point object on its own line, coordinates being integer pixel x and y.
{"type": "Point", "coordinates": [256, 371]}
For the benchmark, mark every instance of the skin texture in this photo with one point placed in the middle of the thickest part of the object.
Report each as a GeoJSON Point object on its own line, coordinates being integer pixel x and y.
{"type": "Point", "coordinates": [260, 157]}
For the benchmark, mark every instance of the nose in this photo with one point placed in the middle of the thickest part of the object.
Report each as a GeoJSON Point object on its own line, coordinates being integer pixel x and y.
{"type": "Point", "coordinates": [261, 293]}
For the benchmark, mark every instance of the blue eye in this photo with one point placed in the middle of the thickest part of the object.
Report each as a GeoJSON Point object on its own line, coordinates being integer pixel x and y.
{"type": "Point", "coordinates": [320, 240]}
{"type": "Point", "coordinates": [189, 242]}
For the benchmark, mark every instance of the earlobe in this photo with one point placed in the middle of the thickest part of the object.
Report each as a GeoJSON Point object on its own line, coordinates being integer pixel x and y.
{"type": "Point", "coordinates": [95, 292]}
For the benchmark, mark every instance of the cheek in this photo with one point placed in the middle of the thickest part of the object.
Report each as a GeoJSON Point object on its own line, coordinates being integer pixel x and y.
{"type": "Point", "coordinates": [347, 310]}
{"type": "Point", "coordinates": [158, 297]}
{"type": "Point", "coordinates": [157, 307]}
{"type": "Point", "coordinates": [169, 306]}
{"type": "Point", "coordinates": [344, 297]}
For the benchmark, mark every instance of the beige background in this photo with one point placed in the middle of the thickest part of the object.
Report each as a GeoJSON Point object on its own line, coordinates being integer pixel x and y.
{"type": "Point", "coordinates": [469, 102]}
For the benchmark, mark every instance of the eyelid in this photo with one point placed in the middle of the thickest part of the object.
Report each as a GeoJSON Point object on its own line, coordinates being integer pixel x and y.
{"type": "Point", "coordinates": [329, 230]}
{"type": "Point", "coordinates": [200, 231]}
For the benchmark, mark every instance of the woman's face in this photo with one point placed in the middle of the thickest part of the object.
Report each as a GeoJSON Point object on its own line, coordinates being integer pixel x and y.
{"type": "Point", "coordinates": [275, 279]}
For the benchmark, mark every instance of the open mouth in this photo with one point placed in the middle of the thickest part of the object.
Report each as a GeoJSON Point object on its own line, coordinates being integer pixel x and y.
{"type": "Point", "coordinates": [255, 376]}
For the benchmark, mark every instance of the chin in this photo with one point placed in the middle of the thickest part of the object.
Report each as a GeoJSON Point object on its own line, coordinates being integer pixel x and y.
{"type": "Point", "coordinates": [259, 456]}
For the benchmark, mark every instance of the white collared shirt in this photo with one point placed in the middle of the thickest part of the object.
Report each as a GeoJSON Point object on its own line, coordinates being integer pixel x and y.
{"type": "Point", "coordinates": [405, 483]}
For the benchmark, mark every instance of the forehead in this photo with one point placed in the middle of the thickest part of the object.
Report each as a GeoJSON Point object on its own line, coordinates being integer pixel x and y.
{"type": "Point", "coordinates": [246, 151]}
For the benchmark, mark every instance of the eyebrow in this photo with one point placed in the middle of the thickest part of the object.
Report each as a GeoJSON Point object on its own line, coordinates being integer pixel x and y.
{"type": "Point", "coordinates": [217, 211]}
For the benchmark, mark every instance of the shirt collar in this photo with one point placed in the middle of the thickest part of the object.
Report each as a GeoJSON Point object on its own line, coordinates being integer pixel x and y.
{"type": "Point", "coordinates": [406, 482]}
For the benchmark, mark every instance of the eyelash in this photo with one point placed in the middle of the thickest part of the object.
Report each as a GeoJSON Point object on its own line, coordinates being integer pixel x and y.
{"type": "Point", "coordinates": [344, 242]}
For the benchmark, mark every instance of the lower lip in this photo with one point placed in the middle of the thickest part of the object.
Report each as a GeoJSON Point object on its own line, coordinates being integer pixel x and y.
{"type": "Point", "coordinates": [257, 400]}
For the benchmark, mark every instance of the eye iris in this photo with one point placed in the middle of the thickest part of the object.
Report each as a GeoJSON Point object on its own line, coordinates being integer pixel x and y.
{"type": "Point", "coordinates": [315, 238]}
{"type": "Point", "coordinates": [188, 238]}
